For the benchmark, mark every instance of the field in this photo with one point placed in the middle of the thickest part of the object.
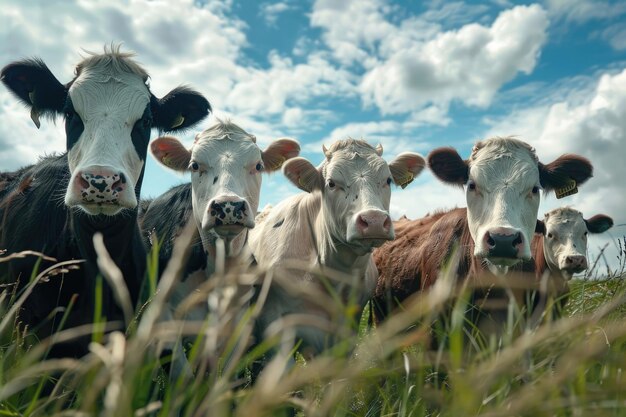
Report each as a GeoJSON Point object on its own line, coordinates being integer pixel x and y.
{"type": "Point", "coordinates": [571, 366]}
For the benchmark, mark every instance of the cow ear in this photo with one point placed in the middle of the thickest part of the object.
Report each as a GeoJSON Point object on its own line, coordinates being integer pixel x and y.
{"type": "Point", "coordinates": [278, 152]}
{"type": "Point", "coordinates": [564, 174]}
{"type": "Point", "coordinates": [405, 167]}
{"type": "Point", "coordinates": [540, 227]}
{"type": "Point", "coordinates": [171, 153]}
{"type": "Point", "coordinates": [180, 109]}
{"type": "Point", "coordinates": [303, 174]}
{"type": "Point", "coordinates": [448, 166]}
{"type": "Point", "coordinates": [33, 84]}
{"type": "Point", "coordinates": [599, 223]}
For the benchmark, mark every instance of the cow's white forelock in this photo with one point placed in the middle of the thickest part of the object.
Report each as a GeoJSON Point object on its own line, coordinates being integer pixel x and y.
{"type": "Point", "coordinates": [568, 229]}
{"type": "Point", "coordinates": [504, 171]}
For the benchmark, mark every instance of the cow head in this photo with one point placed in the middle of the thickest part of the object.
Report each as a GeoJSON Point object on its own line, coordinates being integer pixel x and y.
{"type": "Point", "coordinates": [109, 113]}
{"type": "Point", "coordinates": [565, 238]}
{"type": "Point", "coordinates": [503, 179]}
{"type": "Point", "coordinates": [355, 181]}
{"type": "Point", "coordinates": [226, 166]}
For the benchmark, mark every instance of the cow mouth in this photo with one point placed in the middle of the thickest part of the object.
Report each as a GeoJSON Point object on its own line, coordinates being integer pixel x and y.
{"type": "Point", "coordinates": [95, 209]}
{"type": "Point", "coordinates": [229, 230]}
{"type": "Point", "coordinates": [502, 261]}
{"type": "Point", "coordinates": [368, 243]}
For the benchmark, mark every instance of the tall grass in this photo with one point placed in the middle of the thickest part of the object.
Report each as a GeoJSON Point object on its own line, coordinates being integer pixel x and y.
{"type": "Point", "coordinates": [572, 366]}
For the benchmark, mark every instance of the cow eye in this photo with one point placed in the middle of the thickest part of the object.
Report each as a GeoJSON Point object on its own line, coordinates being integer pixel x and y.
{"type": "Point", "coordinates": [331, 184]}
{"type": "Point", "coordinates": [535, 190]}
{"type": "Point", "coordinates": [147, 122]}
{"type": "Point", "coordinates": [389, 181]}
{"type": "Point", "coordinates": [586, 233]}
{"type": "Point", "coordinates": [194, 166]}
{"type": "Point", "coordinates": [550, 235]}
{"type": "Point", "coordinates": [471, 186]}
{"type": "Point", "coordinates": [259, 167]}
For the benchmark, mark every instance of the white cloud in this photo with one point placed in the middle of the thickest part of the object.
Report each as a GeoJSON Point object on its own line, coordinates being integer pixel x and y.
{"type": "Point", "coordinates": [469, 65]}
{"type": "Point", "coordinates": [270, 11]}
{"type": "Point", "coordinates": [580, 11]}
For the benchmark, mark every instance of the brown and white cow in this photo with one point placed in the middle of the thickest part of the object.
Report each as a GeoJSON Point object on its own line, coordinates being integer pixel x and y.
{"type": "Point", "coordinates": [503, 179]}
{"type": "Point", "coordinates": [560, 246]}
{"type": "Point", "coordinates": [342, 216]}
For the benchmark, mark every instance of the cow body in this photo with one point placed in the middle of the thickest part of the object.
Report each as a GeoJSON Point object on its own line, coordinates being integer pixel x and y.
{"type": "Point", "coordinates": [334, 226]}
{"type": "Point", "coordinates": [57, 205]}
{"type": "Point", "coordinates": [502, 179]}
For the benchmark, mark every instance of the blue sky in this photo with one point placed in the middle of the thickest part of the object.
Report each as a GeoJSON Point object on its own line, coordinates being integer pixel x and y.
{"type": "Point", "coordinates": [412, 75]}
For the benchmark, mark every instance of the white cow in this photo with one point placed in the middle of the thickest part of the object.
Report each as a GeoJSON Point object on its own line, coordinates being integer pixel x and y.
{"type": "Point", "coordinates": [561, 246]}
{"type": "Point", "coordinates": [226, 166]}
{"type": "Point", "coordinates": [342, 216]}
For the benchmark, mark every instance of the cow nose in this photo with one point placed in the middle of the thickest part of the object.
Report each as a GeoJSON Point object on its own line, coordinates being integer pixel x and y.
{"type": "Point", "coordinates": [100, 185]}
{"type": "Point", "coordinates": [576, 262]}
{"type": "Point", "coordinates": [229, 211]}
{"type": "Point", "coordinates": [503, 242]}
{"type": "Point", "coordinates": [373, 223]}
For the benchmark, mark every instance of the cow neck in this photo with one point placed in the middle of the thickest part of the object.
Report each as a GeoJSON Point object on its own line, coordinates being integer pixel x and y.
{"type": "Point", "coordinates": [334, 254]}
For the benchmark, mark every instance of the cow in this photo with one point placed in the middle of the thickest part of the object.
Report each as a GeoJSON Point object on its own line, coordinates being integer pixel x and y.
{"type": "Point", "coordinates": [334, 225]}
{"type": "Point", "coordinates": [226, 167]}
{"type": "Point", "coordinates": [503, 179]}
{"type": "Point", "coordinates": [57, 205]}
{"type": "Point", "coordinates": [560, 248]}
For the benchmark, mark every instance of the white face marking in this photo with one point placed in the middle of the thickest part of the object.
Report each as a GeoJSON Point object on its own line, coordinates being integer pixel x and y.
{"type": "Point", "coordinates": [502, 195]}
{"type": "Point", "coordinates": [227, 172]}
{"type": "Point", "coordinates": [356, 182]}
{"type": "Point", "coordinates": [566, 237]}
{"type": "Point", "coordinates": [109, 102]}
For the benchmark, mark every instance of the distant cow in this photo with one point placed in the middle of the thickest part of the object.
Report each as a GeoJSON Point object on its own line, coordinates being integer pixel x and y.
{"type": "Point", "coordinates": [341, 218]}
{"type": "Point", "coordinates": [560, 248]}
{"type": "Point", "coordinates": [503, 179]}
{"type": "Point", "coordinates": [58, 204]}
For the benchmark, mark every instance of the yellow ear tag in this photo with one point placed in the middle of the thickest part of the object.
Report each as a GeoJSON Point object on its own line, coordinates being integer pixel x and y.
{"type": "Point", "coordinates": [166, 160]}
{"type": "Point", "coordinates": [409, 179]}
{"type": "Point", "coordinates": [568, 189]}
{"type": "Point", "coordinates": [179, 121]}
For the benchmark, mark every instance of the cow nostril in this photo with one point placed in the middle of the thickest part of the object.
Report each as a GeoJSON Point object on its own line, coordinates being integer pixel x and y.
{"type": "Point", "coordinates": [517, 240]}
{"type": "Point", "coordinates": [361, 222]}
{"type": "Point", "coordinates": [83, 183]}
{"type": "Point", "coordinates": [387, 223]}
{"type": "Point", "coordinates": [490, 241]}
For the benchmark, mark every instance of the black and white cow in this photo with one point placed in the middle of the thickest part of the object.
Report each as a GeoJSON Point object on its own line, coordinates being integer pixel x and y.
{"type": "Point", "coordinates": [57, 205]}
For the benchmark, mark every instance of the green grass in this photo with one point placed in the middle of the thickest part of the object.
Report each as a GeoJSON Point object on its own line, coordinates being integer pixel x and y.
{"type": "Point", "coordinates": [572, 366]}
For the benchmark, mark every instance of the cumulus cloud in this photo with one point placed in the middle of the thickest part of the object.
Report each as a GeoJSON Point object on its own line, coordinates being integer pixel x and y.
{"type": "Point", "coordinates": [469, 65]}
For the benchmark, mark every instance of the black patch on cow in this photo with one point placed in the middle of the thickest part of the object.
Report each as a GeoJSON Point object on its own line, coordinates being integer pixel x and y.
{"type": "Point", "coordinates": [140, 135]}
{"type": "Point", "coordinates": [166, 216]}
{"type": "Point", "coordinates": [74, 126]}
